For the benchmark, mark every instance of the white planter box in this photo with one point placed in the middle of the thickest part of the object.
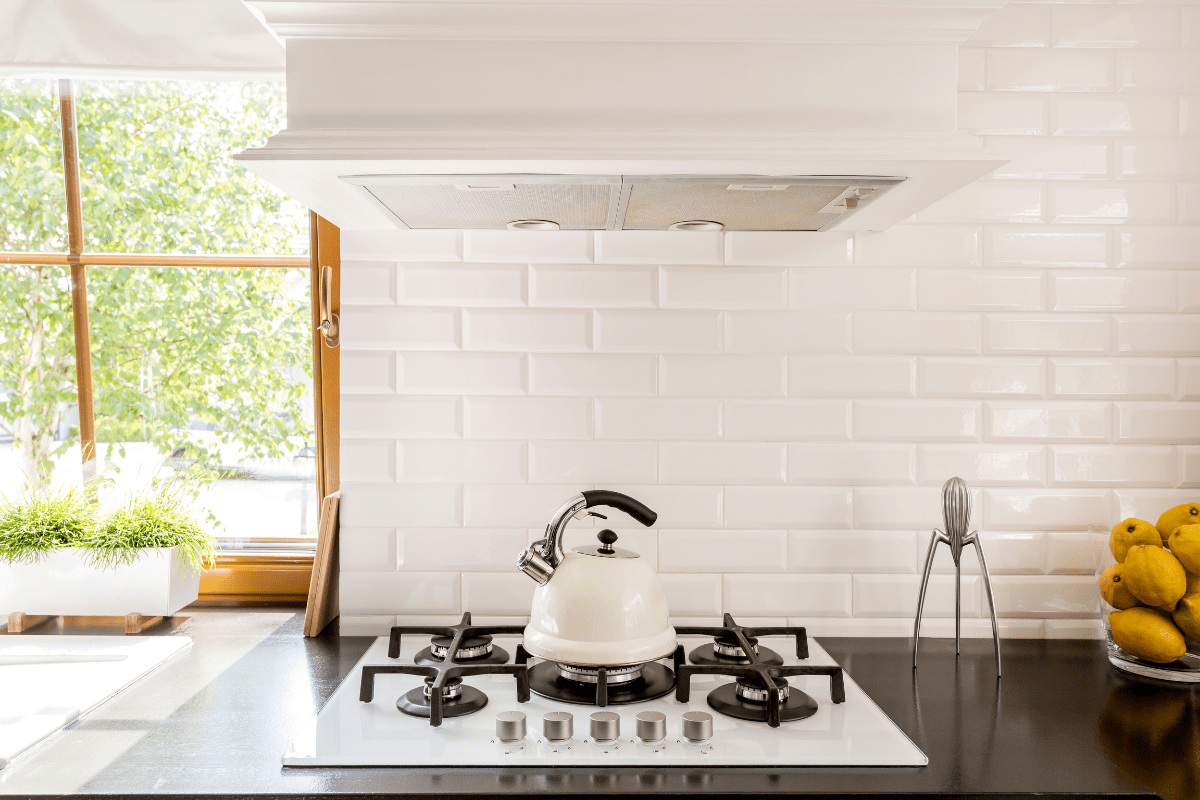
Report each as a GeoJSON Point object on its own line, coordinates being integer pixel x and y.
{"type": "Point", "coordinates": [158, 583]}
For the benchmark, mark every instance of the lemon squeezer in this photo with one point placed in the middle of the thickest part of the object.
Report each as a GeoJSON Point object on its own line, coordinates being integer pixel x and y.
{"type": "Point", "coordinates": [956, 519]}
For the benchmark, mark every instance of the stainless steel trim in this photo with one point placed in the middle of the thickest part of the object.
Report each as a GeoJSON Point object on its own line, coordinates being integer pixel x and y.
{"type": "Point", "coordinates": [756, 695]}
{"type": "Point", "coordinates": [463, 652]}
{"type": "Point", "coordinates": [450, 691]}
{"type": "Point", "coordinates": [613, 675]}
{"type": "Point", "coordinates": [731, 651]}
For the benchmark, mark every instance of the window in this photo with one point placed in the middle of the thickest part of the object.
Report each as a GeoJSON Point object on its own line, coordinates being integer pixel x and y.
{"type": "Point", "coordinates": [191, 351]}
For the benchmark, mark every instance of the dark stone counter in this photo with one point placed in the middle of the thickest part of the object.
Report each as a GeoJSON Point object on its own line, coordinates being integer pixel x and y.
{"type": "Point", "coordinates": [216, 720]}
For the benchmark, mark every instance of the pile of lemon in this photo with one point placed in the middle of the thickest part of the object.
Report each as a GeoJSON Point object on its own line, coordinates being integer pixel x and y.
{"type": "Point", "coordinates": [1155, 584]}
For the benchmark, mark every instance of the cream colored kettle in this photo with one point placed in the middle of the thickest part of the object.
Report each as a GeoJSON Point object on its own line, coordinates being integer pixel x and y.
{"type": "Point", "coordinates": [598, 605]}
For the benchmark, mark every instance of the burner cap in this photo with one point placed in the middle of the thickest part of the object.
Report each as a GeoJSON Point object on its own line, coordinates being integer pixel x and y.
{"type": "Point", "coordinates": [471, 647]}
{"type": "Point", "coordinates": [451, 689]}
{"type": "Point", "coordinates": [726, 644]}
{"type": "Point", "coordinates": [612, 675]}
{"type": "Point", "coordinates": [751, 689]}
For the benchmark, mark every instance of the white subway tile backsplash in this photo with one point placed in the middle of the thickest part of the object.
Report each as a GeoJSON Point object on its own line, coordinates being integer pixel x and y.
{"type": "Point", "coordinates": [460, 550]}
{"type": "Point", "coordinates": [787, 420]}
{"type": "Point", "coordinates": [461, 373]}
{"type": "Point", "coordinates": [722, 376]}
{"type": "Point", "coordinates": [1149, 378]}
{"type": "Point", "coordinates": [721, 287]}
{"type": "Point", "coordinates": [1169, 423]}
{"type": "Point", "coordinates": [916, 333]}
{"type": "Point", "coordinates": [1045, 509]}
{"type": "Point", "coordinates": [415, 593]}
{"type": "Point", "coordinates": [722, 551]}
{"type": "Point", "coordinates": [851, 464]}
{"type": "Point", "coordinates": [789, 249]}
{"type": "Point", "coordinates": [658, 419]}
{"type": "Point", "coordinates": [1128, 291]}
{"type": "Point", "coordinates": [919, 246]}
{"type": "Point", "coordinates": [552, 247]}
{"type": "Point", "coordinates": [779, 507]}
{"type": "Point", "coordinates": [406, 328]}
{"type": "Point", "coordinates": [592, 462]}
{"type": "Point", "coordinates": [378, 505]}
{"type": "Point", "coordinates": [1112, 466]}
{"type": "Point", "coordinates": [658, 331]}
{"type": "Point", "coordinates": [598, 286]}
{"type": "Point", "coordinates": [368, 460]}
{"type": "Point", "coordinates": [722, 463]}
{"type": "Point", "coordinates": [659, 247]}
{"type": "Point", "coordinates": [978, 377]}
{"type": "Point", "coordinates": [401, 417]}
{"type": "Point", "coordinates": [852, 377]}
{"type": "Point", "coordinates": [896, 596]}
{"type": "Point", "coordinates": [459, 461]}
{"type": "Point", "coordinates": [1034, 422]}
{"type": "Point", "coordinates": [1152, 334]}
{"type": "Point", "coordinates": [368, 282]}
{"type": "Point", "coordinates": [866, 288]}
{"type": "Point", "coordinates": [527, 418]}
{"type": "Point", "coordinates": [991, 290]}
{"type": "Point", "coordinates": [787, 332]}
{"type": "Point", "coordinates": [463, 284]}
{"type": "Point", "coordinates": [791, 402]}
{"type": "Point", "coordinates": [770, 595]}
{"type": "Point", "coordinates": [368, 372]}
{"type": "Point", "coordinates": [527, 330]}
{"type": "Point", "coordinates": [1005, 334]}
{"type": "Point", "coordinates": [907, 421]}
{"type": "Point", "coordinates": [851, 551]}
{"type": "Point", "coordinates": [506, 593]}
{"type": "Point", "coordinates": [367, 549]}
{"type": "Point", "coordinates": [592, 374]}
{"type": "Point", "coordinates": [364, 624]}
{"type": "Point", "coordinates": [982, 465]}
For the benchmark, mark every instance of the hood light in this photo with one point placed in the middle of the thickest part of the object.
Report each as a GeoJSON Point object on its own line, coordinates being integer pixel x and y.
{"type": "Point", "coordinates": [697, 225]}
{"type": "Point", "coordinates": [532, 225]}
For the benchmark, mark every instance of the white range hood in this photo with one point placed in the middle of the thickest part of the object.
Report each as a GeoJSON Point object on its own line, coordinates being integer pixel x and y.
{"type": "Point", "coordinates": [776, 115]}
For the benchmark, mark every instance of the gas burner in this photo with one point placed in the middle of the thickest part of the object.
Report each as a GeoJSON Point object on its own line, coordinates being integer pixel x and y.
{"type": "Point", "coordinates": [761, 692]}
{"type": "Point", "coordinates": [458, 699]}
{"type": "Point", "coordinates": [474, 649]}
{"type": "Point", "coordinates": [613, 675]}
{"type": "Point", "coordinates": [747, 699]}
{"type": "Point", "coordinates": [725, 649]}
{"type": "Point", "coordinates": [600, 686]}
{"type": "Point", "coordinates": [444, 694]}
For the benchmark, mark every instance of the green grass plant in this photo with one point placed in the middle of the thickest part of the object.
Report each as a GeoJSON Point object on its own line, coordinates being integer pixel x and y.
{"type": "Point", "coordinates": [45, 519]}
{"type": "Point", "coordinates": [160, 518]}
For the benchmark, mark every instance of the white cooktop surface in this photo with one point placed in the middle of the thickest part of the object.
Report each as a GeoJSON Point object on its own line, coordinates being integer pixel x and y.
{"type": "Point", "coordinates": [347, 732]}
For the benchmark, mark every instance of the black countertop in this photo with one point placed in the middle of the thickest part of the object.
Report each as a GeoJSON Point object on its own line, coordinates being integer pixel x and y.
{"type": "Point", "coordinates": [216, 720]}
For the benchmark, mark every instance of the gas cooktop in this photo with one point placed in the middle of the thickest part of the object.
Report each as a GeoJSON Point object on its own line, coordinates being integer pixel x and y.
{"type": "Point", "coordinates": [786, 704]}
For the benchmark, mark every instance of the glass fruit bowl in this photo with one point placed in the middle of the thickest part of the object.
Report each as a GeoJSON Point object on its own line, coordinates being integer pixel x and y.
{"type": "Point", "coordinates": [1185, 670]}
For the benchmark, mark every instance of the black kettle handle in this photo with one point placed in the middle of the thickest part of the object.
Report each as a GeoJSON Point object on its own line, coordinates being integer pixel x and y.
{"type": "Point", "coordinates": [622, 502]}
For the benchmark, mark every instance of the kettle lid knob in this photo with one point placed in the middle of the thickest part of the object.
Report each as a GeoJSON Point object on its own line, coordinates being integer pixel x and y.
{"type": "Point", "coordinates": [607, 538]}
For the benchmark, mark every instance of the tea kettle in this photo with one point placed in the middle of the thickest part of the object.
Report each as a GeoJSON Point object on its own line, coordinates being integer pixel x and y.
{"type": "Point", "coordinates": [598, 605]}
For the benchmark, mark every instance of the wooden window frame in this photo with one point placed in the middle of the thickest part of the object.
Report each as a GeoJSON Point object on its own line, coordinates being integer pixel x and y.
{"type": "Point", "coordinates": [238, 577]}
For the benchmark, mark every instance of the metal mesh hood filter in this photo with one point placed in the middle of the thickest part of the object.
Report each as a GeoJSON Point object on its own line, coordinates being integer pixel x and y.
{"type": "Point", "coordinates": [656, 206]}
{"type": "Point", "coordinates": [574, 206]}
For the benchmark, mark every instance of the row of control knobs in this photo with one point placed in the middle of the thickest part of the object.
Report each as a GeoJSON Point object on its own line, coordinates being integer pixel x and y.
{"type": "Point", "coordinates": [559, 726]}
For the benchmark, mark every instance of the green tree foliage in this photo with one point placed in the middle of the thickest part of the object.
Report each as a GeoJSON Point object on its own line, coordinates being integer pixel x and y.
{"type": "Point", "coordinates": [173, 349]}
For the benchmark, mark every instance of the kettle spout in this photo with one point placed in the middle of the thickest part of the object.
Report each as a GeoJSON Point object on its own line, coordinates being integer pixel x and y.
{"type": "Point", "coordinates": [534, 565]}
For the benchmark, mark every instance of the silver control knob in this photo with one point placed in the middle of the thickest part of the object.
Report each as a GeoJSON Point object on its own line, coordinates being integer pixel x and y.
{"type": "Point", "coordinates": [651, 726]}
{"type": "Point", "coordinates": [606, 726]}
{"type": "Point", "coordinates": [557, 727]}
{"type": "Point", "coordinates": [510, 726]}
{"type": "Point", "coordinates": [697, 726]}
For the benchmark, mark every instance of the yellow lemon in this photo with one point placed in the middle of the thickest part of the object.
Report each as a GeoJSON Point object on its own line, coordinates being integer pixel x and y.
{"type": "Point", "coordinates": [1154, 576]}
{"type": "Point", "coordinates": [1129, 532]}
{"type": "Point", "coordinates": [1185, 545]}
{"type": "Point", "coordinates": [1148, 634]}
{"type": "Point", "coordinates": [1187, 616]}
{"type": "Point", "coordinates": [1193, 582]}
{"type": "Point", "coordinates": [1172, 518]}
{"type": "Point", "coordinates": [1113, 589]}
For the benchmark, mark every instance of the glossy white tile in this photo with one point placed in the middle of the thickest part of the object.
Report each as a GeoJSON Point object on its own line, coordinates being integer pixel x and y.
{"type": "Point", "coordinates": [1045, 509]}
{"type": "Point", "coordinates": [659, 247]}
{"type": "Point", "coordinates": [1120, 114]}
{"type": "Point", "coordinates": [991, 290]}
{"type": "Point", "coordinates": [1152, 334]}
{"type": "Point", "coordinates": [916, 333]}
{"type": "Point", "coordinates": [852, 552]}
{"type": "Point", "coordinates": [553, 247]}
{"type": "Point", "coordinates": [889, 508]}
{"type": "Point", "coordinates": [1114, 203]}
{"type": "Point", "coordinates": [789, 248]}
{"type": "Point", "coordinates": [860, 376]}
{"type": "Point", "coordinates": [787, 420]}
{"type": "Point", "coordinates": [368, 283]}
{"type": "Point", "coordinates": [406, 328]}
{"type": "Point", "coordinates": [514, 505]}
{"type": "Point", "coordinates": [367, 549]}
{"type": "Point", "coordinates": [896, 596]}
{"type": "Point", "coordinates": [982, 465]}
{"type": "Point", "coordinates": [1038, 597]}
{"type": "Point", "coordinates": [558, 330]}
{"type": "Point", "coordinates": [1053, 245]}
{"type": "Point", "coordinates": [1127, 291]}
{"type": "Point", "coordinates": [368, 460]}
{"type": "Point", "coordinates": [721, 287]}
{"type": "Point", "coordinates": [722, 551]}
{"type": "Point", "coordinates": [593, 286]}
{"type": "Point", "coordinates": [593, 374]}
{"type": "Point", "coordinates": [507, 593]}
{"type": "Point", "coordinates": [1150, 378]}
{"type": "Point", "coordinates": [787, 332]}
{"type": "Point", "coordinates": [722, 376]}
{"type": "Point", "coordinates": [460, 549]}
{"type": "Point", "coordinates": [1049, 334]}
{"type": "Point", "coordinates": [395, 505]}
{"type": "Point", "coordinates": [463, 284]}
{"type": "Point", "coordinates": [722, 463]}
{"type": "Point", "coordinates": [527, 418]}
{"type": "Point", "coordinates": [1041, 422]}
{"type": "Point", "coordinates": [656, 419]}
{"type": "Point", "coordinates": [692, 595]}
{"type": "Point", "coordinates": [864, 288]}
{"type": "Point", "coordinates": [926, 420]}
{"type": "Point", "coordinates": [1106, 26]}
{"type": "Point", "coordinates": [1006, 114]}
{"type": "Point", "coordinates": [981, 377]}
{"type": "Point", "coordinates": [465, 373]}
{"type": "Point", "coordinates": [658, 331]}
{"type": "Point", "coordinates": [919, 246]}
{"type": "Point", "coordinates": [852, 464]}
{"type": "Point", "coordinates": [784, 507]}
{"type": "Point", "coordinates": [592, 462]}
{"type": "Point", "coordinates": [432, 245]}
{"type": "Point", "coordinates": [1168, 423]}
{"type": "Point", "coordinates": [786, 595]}
{"type": "Point", "coordinates": [401, 417]}
{"type": "Point", "coordinates": [678, 507]}
{"type": "Point", "coordinates": [1049, 70]}
{"type": "Point", "coordinates": [459, 461]}
{"type": "Point", "coordinates": [368, 372]}
{"type": "Point", "coordinates": [1112, 466]}
{"type": "Point", "coordinates": [415, 592]}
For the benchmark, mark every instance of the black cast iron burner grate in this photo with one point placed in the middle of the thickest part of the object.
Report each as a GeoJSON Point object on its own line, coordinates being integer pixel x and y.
{"type": "Point", "coordinates": [764, 675]}
{"type": "Point", "coordinates": [443, 672]}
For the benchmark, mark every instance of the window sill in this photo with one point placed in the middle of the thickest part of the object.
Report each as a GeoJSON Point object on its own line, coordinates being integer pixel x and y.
{"type": "Point", "coordinates": [257, 577]}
